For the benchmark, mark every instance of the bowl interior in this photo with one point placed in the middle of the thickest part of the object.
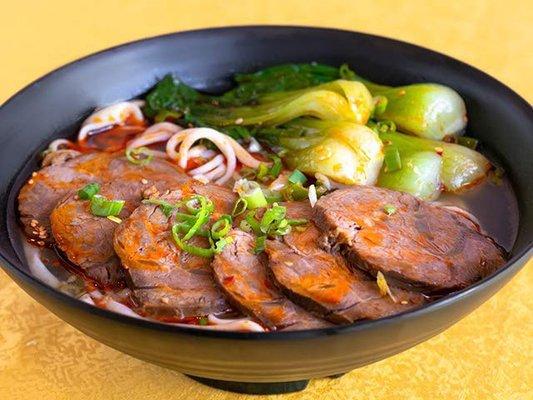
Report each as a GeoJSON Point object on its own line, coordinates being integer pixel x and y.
{"type": "Point", "coordinates": [55, 105]}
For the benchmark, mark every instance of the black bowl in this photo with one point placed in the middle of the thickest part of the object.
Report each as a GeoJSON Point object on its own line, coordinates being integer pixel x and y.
{"type": "Point", "coordinates": [52, 107]}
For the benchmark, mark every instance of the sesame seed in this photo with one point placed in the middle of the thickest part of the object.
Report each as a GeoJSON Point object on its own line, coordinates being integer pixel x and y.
{"type": "Point", "coordinates": [403, 302]}
{"type": "Point", "coordinates": [239, 121]}
{"type": "Point", "coordinates": [40, 243]}
{"type": "Point", "coordinates": [164, 300]}
{"type": "Point", "coordinates": [34, 174]}
{"type": "Point", "coordinates": [144, 181]}
{"type": "Point", "coordinates": [34, 223]}
{"type": "Point", "coordinates": [30, 182]}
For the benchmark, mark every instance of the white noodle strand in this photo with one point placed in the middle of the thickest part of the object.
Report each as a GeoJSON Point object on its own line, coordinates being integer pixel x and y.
{"type": "Point", "coordinates": [208, 166]}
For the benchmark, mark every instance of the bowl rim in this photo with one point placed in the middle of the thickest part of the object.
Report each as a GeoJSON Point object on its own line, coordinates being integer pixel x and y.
{"type": "Point", "coordinates": [426, 309]}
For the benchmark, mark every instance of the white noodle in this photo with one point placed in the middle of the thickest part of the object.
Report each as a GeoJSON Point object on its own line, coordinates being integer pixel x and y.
{"type": "Point", "coordinates": [90, 129]}
{"type": "Point", "coordinates": [194, 134]}
{"type": "Point", "coordinates": [172, 143]}
{"type": "Point", "coordinates": [116, 113]}
{"type": "Point", "coordinates": [216, 172]}
{"type": "Point", "coordinates": [243, 156]}
{"type": "Point", "coordinates": [159, 132]}
{"type": "Point", "coordinates": [200, 151]}
{"type": "Point", "coordinates": [208, 166]}
{"type": "Point", "coordinates": [56, 144]}
{"type": "Point", "coordinates": [37, 267]}
{"type": "Point", "coordinates": [106, 117]}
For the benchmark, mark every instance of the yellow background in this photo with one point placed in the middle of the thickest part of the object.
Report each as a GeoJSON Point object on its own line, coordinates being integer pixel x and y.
{"type": "Point", "coordinates": [488, 355]}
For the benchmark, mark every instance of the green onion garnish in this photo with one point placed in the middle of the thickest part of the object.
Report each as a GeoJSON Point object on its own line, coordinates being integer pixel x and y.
{"type": "Point", "coordinates": [88, 191]}
{"type": "Point", "coordinates": [201, 208]}
{"type": "Point", "coordinates": [389, 209]}
{"type": "Point", "coordinates": [240, 206]}
{"type": "Point", "coordinates": [297, 221]}
{"type": "Point", "coordinates": [294, 192]}
{"type": "Point", "coordinates": [252, 222]}
{"type": "Point", "coordinates": [103, 207]}
{"type": "Point", "coordinates": [262, 171]}
{"type": "Point", "coordinates": [195, 250]}
{"type": "Point", "coordinates": [260, 243]}
{"type": "Point", "coordinates": [392, 159]}
{"type": "Point", "coordinates": [139, 155]}
{"type": "Point", "coordinates": [297, 177]}
{"type": "Point", "coordinates": [469, 142]}
{"type": "Point", "coordinates": [221, 227]}
{"type": "Point", "coordinates": [386, 126]}
{"type": "Point", "coordinates": [165, 207]}
{"type": "Point", "coordinates": [272, 216]}
{"type": "Point", "coordinates": [277, 166]}
{"type": "Point", "coordinates": [252, 193]}
{"type": "Point", "coordinates": [272, 196]}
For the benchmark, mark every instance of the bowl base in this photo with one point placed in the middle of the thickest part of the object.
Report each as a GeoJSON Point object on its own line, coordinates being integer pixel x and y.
{"type": "Point", "coordinates": [253, 387]}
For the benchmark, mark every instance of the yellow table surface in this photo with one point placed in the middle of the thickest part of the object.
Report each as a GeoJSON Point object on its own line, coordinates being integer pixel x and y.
{"type": "Point", "coordinates": [488, 355]}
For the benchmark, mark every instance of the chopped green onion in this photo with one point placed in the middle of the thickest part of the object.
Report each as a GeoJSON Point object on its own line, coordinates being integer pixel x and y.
{"type": "Point", "coordinates": [240, 206]}
{"type": "Point", "coordinates": [294, 192]}
{"type": "Point", "coordinates": [469, 142]}
{"type": "Point", "coordinates": [202, 216]}
{"type": "Point", "coordinates": [245, 226]}
{"type": "Point", "coordinates": [260, 243]}
{"type": "Point", "coordinates": [252, 193]}
{"type": "Point", "coordinates": [165, 207]}
{"type": "Point", "coordinates": [252, 222]}
{"type": "Point", "coordinates": [277, 166]}
{"type": "Point", "coordinates": [221, 243]}
{"type": "Point", "coordinates": [139, 155]}
{"type": "Point", "coordinates": [271, 216]}
{"type": "Point", "coordinates": [272, 196]}
{"type": "Point", "coordinates": [297, 177]}
{"type": "Point", "coordinates": [389, 209]}
{"type": "Point", "coordinates": [88, 191]}
{"type": "Point", "coordinates": [297, 221]}
{"type": "Point", "coordinates": [114, 219]}
{"type": "Point", "coordinates": [392, 159]}
{"type": "Point", "coordinates": [103, 207]}
{"type": "Point", "coordinates": [221, 227]}
{"type": "Point", "coordinates": [197, 203]}
{"type": "Point", "coordinates": [191, 249]}
{"type": "Point", "coordinates": [262, 171]}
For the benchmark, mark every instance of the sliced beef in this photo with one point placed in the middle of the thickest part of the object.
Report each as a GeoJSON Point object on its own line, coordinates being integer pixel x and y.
{"type": "Point", "coordinates": [323, 282]}
{"type": "Point", "coordinates": [166, 281]}
{"type": "Point", "coordinates": [47, 187]}
{"type": "Point", "coordinates": [87, 239]}
{"type": "Point", "coordinates": [243, 277]}
{"type": "Point", "coordinates": [419, 245]}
